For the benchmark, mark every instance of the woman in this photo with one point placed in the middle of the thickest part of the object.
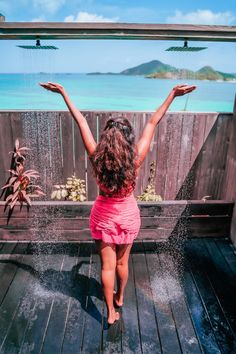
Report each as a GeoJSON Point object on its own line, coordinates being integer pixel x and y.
{"type": "Point", "coordinates": [115, 217]}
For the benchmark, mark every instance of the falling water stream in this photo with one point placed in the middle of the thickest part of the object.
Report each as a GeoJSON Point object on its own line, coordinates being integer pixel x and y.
{"type": "Point", "coordinates": [167, 282]}
{"type": "Point", "coordinates": [40, 134]}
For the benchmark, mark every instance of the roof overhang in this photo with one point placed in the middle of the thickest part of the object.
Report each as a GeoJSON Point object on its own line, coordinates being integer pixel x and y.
{"type": "Point", "coordinates": [128, 31]}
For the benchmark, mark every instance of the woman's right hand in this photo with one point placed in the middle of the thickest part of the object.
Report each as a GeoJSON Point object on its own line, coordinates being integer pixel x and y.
{"type": "Point", "coordinates": [51, 86]}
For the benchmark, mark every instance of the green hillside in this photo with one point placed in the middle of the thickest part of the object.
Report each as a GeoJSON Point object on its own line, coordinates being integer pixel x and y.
{"type": "Point", "coordinates": [148, 68]}
{"type": "Point", "coordinates": [205, 73]}
{"type": "Point", "coordinates": [155, 69]}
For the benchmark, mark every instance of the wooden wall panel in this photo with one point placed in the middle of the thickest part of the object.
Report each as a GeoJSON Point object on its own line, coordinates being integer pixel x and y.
{"type": "Point", "coordinates": [79, 154]}
{"type": "Point", "coordinates": [56, 151]}
{"type": "Point", "coordinates": [229, 179]}
{"type": "Point", "coordinates": [152, 154]}
{"type": "Point", "coordinates": [190, 150]}
{"type": "Point", "coordinates": [174, 142]}
{"type": "Point", "coordinates": [161, 160]}
{"type": "Point", "coordinates": [6, 145]}
{"type": "Point", "coordinates": [92, 189]}
{"type": "Point", "coordinates": [186, 147]}
{"type": "Point", "coordinates": [67, 145]}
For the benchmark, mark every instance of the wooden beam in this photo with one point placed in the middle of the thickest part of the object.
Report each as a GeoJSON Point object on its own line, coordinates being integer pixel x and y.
{"type": "Point", "coordinates": [130, 31]}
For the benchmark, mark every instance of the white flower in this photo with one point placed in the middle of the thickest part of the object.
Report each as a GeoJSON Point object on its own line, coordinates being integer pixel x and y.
{"type": "Point", "coordinates": [82, 198]}
{"type": "Point", "coordinates": [58, 196]}
{"type": "Point", "coordinates": [54, 194]}
{"type": "Point", "coordinates": [64, 193]}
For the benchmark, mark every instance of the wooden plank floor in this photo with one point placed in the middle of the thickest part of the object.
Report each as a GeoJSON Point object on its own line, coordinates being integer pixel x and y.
{"type": "Point", "coordinates": [180, 298]}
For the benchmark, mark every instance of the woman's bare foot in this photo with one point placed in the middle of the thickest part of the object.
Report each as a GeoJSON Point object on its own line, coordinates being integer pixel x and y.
{"type": "Point", "coordinates": [113, 316]}
{"type": "Point", "coordinates": [118, 300]}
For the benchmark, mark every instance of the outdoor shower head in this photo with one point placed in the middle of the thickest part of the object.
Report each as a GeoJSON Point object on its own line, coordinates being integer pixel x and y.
{"type": "Point", "coordinates": [185, 48]}
{"type": "Point", "coordinates": [37, 46]}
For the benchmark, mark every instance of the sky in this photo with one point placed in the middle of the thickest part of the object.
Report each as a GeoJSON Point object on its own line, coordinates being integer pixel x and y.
{"type": "Point", "coordinates": [106, 55]}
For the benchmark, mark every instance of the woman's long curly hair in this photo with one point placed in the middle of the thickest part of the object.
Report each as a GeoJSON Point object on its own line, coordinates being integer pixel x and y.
{"type": "Point", "coordinates": [114, 157]}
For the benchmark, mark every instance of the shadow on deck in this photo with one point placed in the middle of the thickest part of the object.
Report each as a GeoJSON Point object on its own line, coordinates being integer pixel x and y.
{"type": "Point", "coordinates": [180, 298]}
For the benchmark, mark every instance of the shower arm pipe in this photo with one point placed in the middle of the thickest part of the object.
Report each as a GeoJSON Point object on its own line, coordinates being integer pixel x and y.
{"type": "Point", "coordinates": [123, 31]}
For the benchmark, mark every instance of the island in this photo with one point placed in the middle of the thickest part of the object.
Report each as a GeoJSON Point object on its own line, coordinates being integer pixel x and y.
{"type": "Point", "coordinates": [155, 69]}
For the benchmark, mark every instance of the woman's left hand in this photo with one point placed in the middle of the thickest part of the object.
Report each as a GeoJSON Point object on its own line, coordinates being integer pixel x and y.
{"type": "Point", "coordinates": [51, 86]}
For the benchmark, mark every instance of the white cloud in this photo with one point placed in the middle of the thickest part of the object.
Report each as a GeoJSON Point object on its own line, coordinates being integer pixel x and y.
{"type": "Point", "coordinates": [38, 19]}
{"type": "Point", "coordinates": [203, 17]}
{"type": "Point", "coordinates": [50, 6]}
{"type": "Point", "coordinates": [89, 17]}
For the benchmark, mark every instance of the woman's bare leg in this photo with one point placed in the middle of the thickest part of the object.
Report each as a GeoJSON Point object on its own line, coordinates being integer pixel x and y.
{"type": "Point", "coordinates": [107, 254]}
{"type": "Point", "coordinates": [122, 271]}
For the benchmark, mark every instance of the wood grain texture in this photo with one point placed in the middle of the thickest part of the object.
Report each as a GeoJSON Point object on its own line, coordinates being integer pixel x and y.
{"type": "Point", "coordinates": [60, 30]}
{"type": "Point", "coordinates": [194, 152]}
{"type": "Point", "coordinates": [229, 177]}
{"type": "Point", "coordinates": [92, 190]}
{"type": "Point", "coordinates": [159, 221]}
{"type": "Point", "coordinates": [51, 299]}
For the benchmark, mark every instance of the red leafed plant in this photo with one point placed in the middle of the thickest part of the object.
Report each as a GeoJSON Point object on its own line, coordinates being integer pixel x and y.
{"type": "Point", "coordinates": [19, 186]}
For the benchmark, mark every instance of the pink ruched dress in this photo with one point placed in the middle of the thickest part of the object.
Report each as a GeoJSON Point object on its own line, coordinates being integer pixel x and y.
{"type": "Point", "coordinates": [115, 219]}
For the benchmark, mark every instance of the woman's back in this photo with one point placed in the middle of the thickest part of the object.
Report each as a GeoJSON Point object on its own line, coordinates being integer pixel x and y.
{"type": "Point", "coordinates": [122, 193]}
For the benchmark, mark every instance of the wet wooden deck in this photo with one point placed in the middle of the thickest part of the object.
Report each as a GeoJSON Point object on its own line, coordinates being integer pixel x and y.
{"type": "Point", "coordinates": [180, 298]}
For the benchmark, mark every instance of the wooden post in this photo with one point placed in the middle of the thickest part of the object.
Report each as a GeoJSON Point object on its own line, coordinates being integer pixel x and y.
{"type": "Point", "coordinates": [232, 153]}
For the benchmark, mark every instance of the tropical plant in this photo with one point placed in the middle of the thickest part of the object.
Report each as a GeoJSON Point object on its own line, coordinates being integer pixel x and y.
{"type": "Point", "coordinates": [19, 186]}
{"type": "Point", "coordinates": [74, 190]}
{"type": "Point", "coordinates": [149, 193]}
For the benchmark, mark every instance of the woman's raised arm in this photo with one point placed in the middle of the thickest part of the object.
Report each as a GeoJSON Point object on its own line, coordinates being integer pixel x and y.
{"type": "Point", "coordinates": [144, 142]}
{"type": "Point", "coordinates": [87, 136]}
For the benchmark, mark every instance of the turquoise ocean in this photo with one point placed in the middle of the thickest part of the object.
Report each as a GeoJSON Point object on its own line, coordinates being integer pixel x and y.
{"type": "Point", "coordinates": [111, 92]}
